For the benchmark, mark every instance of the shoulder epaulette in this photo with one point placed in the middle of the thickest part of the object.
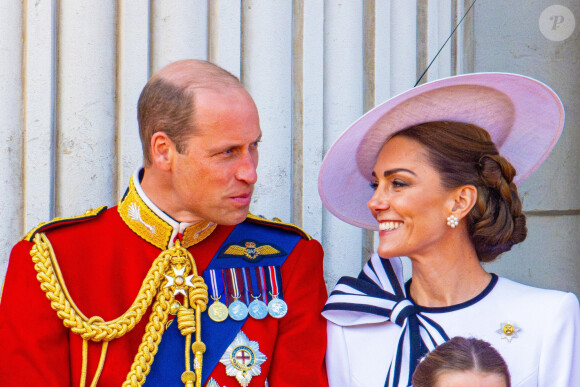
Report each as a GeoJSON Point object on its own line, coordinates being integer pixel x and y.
{"type": "Point", "coordinates": [278, 223]}
{"type": "Point", "coordinates": [57, 222]}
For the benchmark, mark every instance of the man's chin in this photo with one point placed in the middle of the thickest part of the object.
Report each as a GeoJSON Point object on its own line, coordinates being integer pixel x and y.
{"type": "Point", "coordinates": [233, 218]}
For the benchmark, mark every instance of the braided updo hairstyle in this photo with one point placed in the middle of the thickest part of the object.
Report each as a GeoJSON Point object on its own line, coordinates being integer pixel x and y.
{"type": "Point", "coordinates": [464, 154]}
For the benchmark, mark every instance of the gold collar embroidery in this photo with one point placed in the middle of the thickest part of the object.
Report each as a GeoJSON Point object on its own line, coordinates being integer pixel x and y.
{"type": "Point", "coordinates": [146, 223]}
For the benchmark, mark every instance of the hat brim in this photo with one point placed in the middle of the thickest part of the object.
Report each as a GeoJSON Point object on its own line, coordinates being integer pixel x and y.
{"type": "Point", "coordinates": [523, 116]}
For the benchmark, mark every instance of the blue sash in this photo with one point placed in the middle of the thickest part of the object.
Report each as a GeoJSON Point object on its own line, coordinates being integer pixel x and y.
{"type": "Point", "coordinates": [169, 361]}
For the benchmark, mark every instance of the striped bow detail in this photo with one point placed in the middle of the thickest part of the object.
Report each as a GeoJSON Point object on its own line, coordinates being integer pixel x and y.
{"type": "Point", "coordinates": [377, 296]}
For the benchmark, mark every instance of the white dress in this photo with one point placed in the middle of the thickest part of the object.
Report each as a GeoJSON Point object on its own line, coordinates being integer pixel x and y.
{"type": "Point", "coordinates": [544, 350]}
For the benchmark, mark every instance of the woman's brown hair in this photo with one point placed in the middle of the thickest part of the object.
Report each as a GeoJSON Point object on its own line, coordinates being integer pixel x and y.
{"type": "Point", "coordinates": [460, 354]}
{"type": "Point", "coordinates": [464, 154]}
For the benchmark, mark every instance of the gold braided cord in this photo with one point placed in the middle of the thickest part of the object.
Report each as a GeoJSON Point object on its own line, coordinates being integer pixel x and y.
{"type": "Point", "coordinates": [101, 363]}
{"type": "Point", "coordinates": [151, 339]}
{"type": "Point", "coordinates": [198, 347]}
{"type": "Point", "coordinates": [198, 293]}
{"type": "Point", "coordinates": [99, 367]}
{"type": "Point", "coordinates": [189, 322]}
{"type": "Point", "coordinates": [95, 329]}
{"type": "Point", "coordinates": [155, 285]}
{"type": "Point", "coordinates": [186, 320]}
{"type": "Point", "coordinates": [84, 367]}
{"type": "Point", "coordinates": [198, 299]}
{"type": "Point", "coordinates": [186, 325]}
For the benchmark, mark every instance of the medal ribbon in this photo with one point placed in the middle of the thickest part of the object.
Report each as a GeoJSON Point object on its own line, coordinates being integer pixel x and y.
{"type": "Point", "coordinates": [235, 287]}
{"type": "Point", "coordinates": [246, 293]}
{"type": "Point", "coordinates": [217, 336]}
{"type": "Point", "coordinates": [263, 282]}
{"type": "Point", "coordinates": [274, 281]}
{"type": "Point", "coordinates": [217, 285]}
{"type": "Point", "coordinates": [226, 288]}
{"type": "Point", "coordinates": [254, 279]}
{"type": "Point", "coordinates": [377, 296]}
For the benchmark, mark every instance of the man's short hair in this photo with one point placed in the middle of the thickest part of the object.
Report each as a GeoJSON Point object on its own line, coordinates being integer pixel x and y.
{"type": "Point", "coordinates": [166, 102]}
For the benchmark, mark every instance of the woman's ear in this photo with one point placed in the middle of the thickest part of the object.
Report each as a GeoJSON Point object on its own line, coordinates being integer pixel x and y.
{"type": "Point", "coordinates": [162, 151]}
{"type": "Point", "coordinates": [465, 198]}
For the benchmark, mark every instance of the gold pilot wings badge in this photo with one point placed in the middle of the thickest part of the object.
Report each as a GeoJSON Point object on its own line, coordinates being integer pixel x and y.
{"type": "Point", "coordinates": [251, 251]}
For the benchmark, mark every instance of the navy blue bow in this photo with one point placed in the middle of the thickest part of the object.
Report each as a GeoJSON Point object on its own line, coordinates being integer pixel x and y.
{"type": "Point", "coordinates": [377, 296]}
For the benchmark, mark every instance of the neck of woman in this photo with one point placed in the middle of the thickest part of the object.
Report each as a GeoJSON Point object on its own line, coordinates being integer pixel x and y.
{"type": "Point", "coordinates": [448, 277]}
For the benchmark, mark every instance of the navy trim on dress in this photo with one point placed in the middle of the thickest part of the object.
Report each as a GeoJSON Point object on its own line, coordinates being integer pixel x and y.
{"type": "Point", "coordinates": [451, 308]}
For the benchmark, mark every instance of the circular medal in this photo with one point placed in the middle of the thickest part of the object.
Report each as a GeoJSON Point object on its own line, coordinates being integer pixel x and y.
{"type": "Point", "coordinates": [277, 308]}
{"type": "Point", "coordinates": [238, 310]}
{"type": "Point", "coordinates": [217, 311]}
{"type": "Point", "coordinates": [258, 309]}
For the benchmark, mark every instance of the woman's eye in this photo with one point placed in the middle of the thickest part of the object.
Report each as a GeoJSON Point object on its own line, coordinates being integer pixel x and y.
{"type": "Point", "coordinates": [374, 185]}
{"type": "Point", "coordinates": [398, 183]}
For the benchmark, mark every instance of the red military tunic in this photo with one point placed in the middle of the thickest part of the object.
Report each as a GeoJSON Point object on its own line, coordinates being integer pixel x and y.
{"type": "Point", "coordinates": [104, 259]}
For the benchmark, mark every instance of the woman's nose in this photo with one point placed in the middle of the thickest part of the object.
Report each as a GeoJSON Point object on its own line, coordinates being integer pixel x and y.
{"type": "Point", "coordinates": [378, 202]}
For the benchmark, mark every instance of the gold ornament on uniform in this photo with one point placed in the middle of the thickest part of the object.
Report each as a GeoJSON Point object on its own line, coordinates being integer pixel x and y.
{"type": "Point", "coordinates": [243, 359]}
{"type": "Point", "coordinates": [146, 223]}
{"type": "Point", "coordinates": [251, 250]}
{"type": "Point", "coordinates": [168, 276]}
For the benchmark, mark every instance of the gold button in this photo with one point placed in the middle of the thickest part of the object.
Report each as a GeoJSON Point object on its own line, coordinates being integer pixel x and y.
{"type": "Point", "coordinates": [174, 307]}
{"type": "Point", "coordinates": [188, 376]}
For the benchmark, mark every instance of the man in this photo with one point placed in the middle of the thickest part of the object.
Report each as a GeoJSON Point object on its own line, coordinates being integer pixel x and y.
{"type": "Point", "coordinates": [177, 284]}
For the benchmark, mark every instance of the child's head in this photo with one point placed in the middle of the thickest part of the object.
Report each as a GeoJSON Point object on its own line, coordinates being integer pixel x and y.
{"type": "Point", "coordinates": [462, 362]}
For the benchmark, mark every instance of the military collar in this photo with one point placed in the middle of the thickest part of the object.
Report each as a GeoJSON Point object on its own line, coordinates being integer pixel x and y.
{"type": "Point", "coordinates": [142, 216]}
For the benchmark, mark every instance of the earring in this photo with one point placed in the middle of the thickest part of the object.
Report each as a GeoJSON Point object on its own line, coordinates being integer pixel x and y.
{"type": "Point", "coordinates": [452, 221]}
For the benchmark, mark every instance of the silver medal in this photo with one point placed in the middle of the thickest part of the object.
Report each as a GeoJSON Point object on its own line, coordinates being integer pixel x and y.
{"type": "Point", "coordinates": [258, 309]}
{"type": "Point", "coordinates": [277, 308]}
{"type": "Point", "coordinates": [238, 310]}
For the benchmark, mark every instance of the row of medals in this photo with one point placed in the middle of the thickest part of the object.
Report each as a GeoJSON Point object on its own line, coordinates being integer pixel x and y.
{"type": "Point", "coordinates": [238, 310]}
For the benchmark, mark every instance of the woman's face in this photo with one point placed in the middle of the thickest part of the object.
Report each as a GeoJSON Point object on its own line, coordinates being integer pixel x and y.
{"type": "Point", "coordinates": [470, 379]}
{"type": "Point", "coordinates": [409, 202]}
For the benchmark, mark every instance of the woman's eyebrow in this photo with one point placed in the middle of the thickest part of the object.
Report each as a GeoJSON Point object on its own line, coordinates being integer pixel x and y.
{"type": "Point", "coordinates": [391, 171]}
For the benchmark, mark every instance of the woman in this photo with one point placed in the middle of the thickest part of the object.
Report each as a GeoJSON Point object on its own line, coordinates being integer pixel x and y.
{"type": "Point", "coordinates": [462, 362]}
{"type": "Point", "coordinates": [444, 196]}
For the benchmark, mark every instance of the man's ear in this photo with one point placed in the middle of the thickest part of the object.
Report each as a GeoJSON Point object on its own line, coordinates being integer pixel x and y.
{"type": "Point", "coordinates": [465, 198]}
{"type": "Point", "coordinates": [162, 151]}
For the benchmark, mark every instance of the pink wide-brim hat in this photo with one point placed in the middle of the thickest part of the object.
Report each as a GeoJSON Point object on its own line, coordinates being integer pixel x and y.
{"type": "Point", "coordinates": [523, 116]}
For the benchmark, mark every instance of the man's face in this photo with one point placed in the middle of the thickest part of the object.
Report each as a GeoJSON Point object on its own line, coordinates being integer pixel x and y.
{"type": "Point", "coordinates": [214, 178]}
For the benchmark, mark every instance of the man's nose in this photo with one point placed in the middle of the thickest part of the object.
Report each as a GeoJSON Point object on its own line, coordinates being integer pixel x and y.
{"type": "Point", "coordinates": [246, 171]}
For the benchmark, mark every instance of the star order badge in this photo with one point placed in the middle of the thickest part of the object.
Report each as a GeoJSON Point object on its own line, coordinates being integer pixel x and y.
{"type": "Point", "coordinates": [508, 331]}
{"type": "Point", "coordinates": [179, 281]}
{"type": "Point", "coordinates": [243, 359]}
{"type": "Point", "coordinates": [212, 383]}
